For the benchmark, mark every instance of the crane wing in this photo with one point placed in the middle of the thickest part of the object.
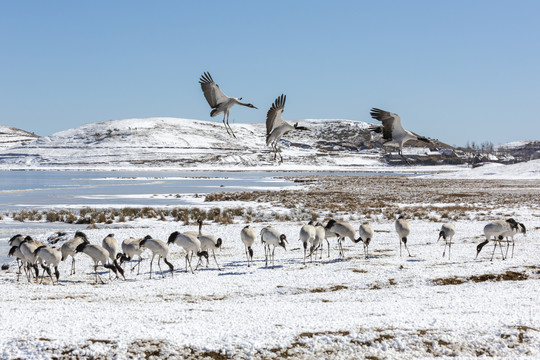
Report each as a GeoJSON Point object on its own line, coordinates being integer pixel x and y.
{"type": "Point", "coordinates": [273, 117]}
{"type": "Point", "coordinates": [211, 90]}
{"type": "Point", "coordinates": [391, 122]}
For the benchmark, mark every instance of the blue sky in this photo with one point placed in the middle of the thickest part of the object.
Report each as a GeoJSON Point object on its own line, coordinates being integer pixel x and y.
{"type": "Point", "coordinates": [456, 70]}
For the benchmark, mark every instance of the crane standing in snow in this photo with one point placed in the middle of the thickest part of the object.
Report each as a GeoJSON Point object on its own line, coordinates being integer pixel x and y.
{"type": "Point", "coordinates": [497, 230]}
{"type": "Point", "coordinates": [341, 229]}
{"type": "Point", "coordinates": [159, 248]}
{"type": "Point", "coordinates": [99, 255]}
{"type": "Point", "coordinates": [307, 235]}
{"type": "Point", "coordinates": [248, 237]}
{"type": "Point", "coordinates": [49, 257]}
{"type": "Point", "coordinates": [110, 244]}
{"type": "Point", "coordinates": [208, 242]}
{"type": "Point", "coordinates": [131, 248]}
{"type": "Point", "coordinates": [276, 127]}
{"type": "Point", "coordinates": [69, 248]}
{"type": "Point", "coordinates": [403, 229]}
{"type": "Point", "coordinates": [218, 101]}
{"type": "Point", "coordinates": [365, 232]}
{"type": "Point", "coordinates": [393, 132]}
{"type": "Point", "coordinates": [190, 243]}
{"type": "Point", "coordinates": [270, 236]}
{"type": "Point", "coordinates": [447, 233]}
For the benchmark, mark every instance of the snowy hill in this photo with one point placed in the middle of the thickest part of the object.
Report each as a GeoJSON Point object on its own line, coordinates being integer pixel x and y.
{"type": "Point", "coordinates": [10, 136]}
{"type": "Point", "coordinates": [171, 143]}
{"type": "Point", "coordinates": [519, 150]}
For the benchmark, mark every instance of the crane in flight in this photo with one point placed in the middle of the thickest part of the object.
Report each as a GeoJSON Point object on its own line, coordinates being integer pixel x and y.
{"type": "Point", "coordinates": [218, 101]}
{"type": "Point", "coordinates": [276, 127]}
{"type": "Point", "coordinates": [393, 133]}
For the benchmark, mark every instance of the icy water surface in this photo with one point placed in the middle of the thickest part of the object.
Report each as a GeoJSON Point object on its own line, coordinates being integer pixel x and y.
{"type": "Point", "coordinates": [54, 189]}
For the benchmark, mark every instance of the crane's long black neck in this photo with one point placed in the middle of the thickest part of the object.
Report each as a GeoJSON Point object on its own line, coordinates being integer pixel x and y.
{"type": "Point", "coordinates": [171, 267]}
{"type": "Point", "coordinates": [120, 270]}
{"type": "Point", "coordinates": [480, 246]}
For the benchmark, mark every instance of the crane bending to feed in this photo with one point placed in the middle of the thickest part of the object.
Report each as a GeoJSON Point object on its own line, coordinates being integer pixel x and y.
{"type": "Point", "coordinates": [393, 132]}
{"type": "Point", "coordinates": [218, 101]}
{"type": "Point", "coordinates": [276, 127]}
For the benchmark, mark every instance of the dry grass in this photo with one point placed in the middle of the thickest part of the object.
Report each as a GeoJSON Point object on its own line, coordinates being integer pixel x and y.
{"type": "Point", "coordinates": [109, 216]}
{"type": "Point", "coordinates": [376, 196]}
{"type": "Point", "coordinates": [507, 276]}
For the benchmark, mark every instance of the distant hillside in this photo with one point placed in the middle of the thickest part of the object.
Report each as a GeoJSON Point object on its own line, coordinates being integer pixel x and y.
{"type": "Point", "coordinates": [518, 151]}
{"type": "Point", "coordinates": [10, 136]}
{"type": "Point", "coordinates": [183, 143]}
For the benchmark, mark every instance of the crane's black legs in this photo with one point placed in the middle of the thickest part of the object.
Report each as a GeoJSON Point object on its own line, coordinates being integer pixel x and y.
{"type": "Point", "coordinates": [227, 126]}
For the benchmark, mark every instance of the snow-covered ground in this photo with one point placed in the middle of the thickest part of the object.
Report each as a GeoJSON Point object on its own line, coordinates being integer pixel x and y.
{"type": "Point", "coordinates": [385, 306]}
{"type": "Point", "coordinates": [524, 171]}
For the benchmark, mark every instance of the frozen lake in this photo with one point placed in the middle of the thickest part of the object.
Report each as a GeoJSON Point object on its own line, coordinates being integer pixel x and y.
{"type": "Point", "coordinates": [74, 189]}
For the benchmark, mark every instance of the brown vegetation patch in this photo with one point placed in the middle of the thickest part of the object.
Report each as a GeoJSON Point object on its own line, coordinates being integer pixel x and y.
{"type": "Point", "coordinates": [507, 276]}
{"type": "Point", "coordinates": [449, 281]}
{"type": "Point", "coordinates": [319, 333]}
{"type": "Point", "coordinates": [360, 271]}
{"type": "Point", "coordinates": [102, 341]}
{"type": "Point", "coordinates": [330, 289]}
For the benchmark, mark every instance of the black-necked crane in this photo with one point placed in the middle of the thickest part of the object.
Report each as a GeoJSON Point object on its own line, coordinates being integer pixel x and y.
{"type": "Point", "coordinates": [495, 231]}
{"type": "Point", "coordinates": [110, 244]}
{"type": "Point", "coordinates": [365, 233]}
{"type": "Point", "coordinates": [159, 248]}
{"type": "Point", "coordinates": [49, 257]}
{"type": "Point", "coordinates": [190, 243]}
{"type": "Point", "coordinates": [69, 248]}
{"type": "Point", "coordinates": [393, 133]}
{"type": "Point", "coordinates": [130, 249]}
{"type": "Point", "coordinates": [248, 236]}
{"type": "Point", "coordinates": [276, 127]}
{"type": "Point", "coordinates": [99, 255]}
{"type": "Point", "coordinates": [307, 236]}
{"type": "Point", "coordinates": [403, 229]}
{"type": "Point", "coordinates": [447, 233]}
{"type": "Point", "coordinates": [342, 230]}
{"type": "Point", "coordinates": [272, 237]}
{"type": "Point", "coordinates": [208, 242]}
{"type": "Point", "coordinates": [27, 248]}
{"type": "Point", "coordinates": [320, 236]}
{"type": "Point", "coordinates": [218, 101]}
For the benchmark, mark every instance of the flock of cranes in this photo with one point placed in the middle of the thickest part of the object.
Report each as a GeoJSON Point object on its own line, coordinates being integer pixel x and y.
{"type": "Point", "coordinates": [393, 133]}
{"type": "Point", "coordinates": [31, 253]}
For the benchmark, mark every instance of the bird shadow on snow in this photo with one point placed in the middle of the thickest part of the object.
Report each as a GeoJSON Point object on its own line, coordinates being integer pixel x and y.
{"type": "Point", "coordinates": [271, 268]}
{"type": "Point", "coordinates": [237, 263]}
{"type": "Point", "coordinates": [334, 261]}
{"type": "Point", "coordinates": [232, 273]}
